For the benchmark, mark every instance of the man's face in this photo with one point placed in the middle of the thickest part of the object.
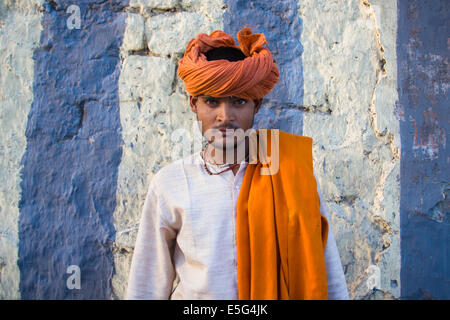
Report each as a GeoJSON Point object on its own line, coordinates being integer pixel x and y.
{"type": "Point", "coordinates": [224, 113]}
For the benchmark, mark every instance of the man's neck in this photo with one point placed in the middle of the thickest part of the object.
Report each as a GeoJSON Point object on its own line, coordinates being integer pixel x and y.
{"type": "Point", "coordinates": [226, 156]}
{"type": "Point", "coordinates": [235, 169]}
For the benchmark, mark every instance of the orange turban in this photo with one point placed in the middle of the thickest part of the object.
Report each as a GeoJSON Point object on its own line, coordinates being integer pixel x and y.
{"type": "Point", "coordinates": [251, 78]}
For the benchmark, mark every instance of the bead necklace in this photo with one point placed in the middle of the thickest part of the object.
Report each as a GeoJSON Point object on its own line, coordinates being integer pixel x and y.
{"type": "Point", "coordinates": [215, 173]}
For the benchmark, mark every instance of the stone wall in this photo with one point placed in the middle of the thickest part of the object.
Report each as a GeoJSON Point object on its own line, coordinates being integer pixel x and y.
{"type": "Point", "coordinates": [90, 113]}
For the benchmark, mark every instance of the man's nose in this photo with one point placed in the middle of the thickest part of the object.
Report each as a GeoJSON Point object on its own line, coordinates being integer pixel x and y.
{"type": "Point", "coordinates": [225, 112]}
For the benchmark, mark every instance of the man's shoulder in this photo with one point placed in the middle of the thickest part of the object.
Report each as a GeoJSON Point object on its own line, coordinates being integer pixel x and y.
{"type": "Point", "coordinates": [287, 137]}
{"type": "Point", "coordinates": [293, 150]}
{"type": "Point", "coordinates": [174, 172]}
{"type": "Point", "coordinates": [296, 138]}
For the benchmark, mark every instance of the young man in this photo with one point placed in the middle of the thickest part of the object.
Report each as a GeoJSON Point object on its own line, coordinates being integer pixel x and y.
{"type": "Point", "coordinates": [213, 226]}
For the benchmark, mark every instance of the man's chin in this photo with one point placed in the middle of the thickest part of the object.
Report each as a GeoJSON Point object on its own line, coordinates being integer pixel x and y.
{"type": "Point", "coordinates": [225, 143]}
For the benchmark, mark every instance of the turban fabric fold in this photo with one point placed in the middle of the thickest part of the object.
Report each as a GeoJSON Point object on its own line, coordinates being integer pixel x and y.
{"type": "Point", "coordinates": [251, 78]}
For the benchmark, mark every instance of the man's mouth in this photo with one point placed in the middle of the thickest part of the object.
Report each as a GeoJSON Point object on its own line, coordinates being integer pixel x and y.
{"type": "Point", "coordinates": [226, 131]}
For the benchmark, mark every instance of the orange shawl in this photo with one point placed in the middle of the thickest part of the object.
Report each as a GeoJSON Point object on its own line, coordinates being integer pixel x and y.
{"type": "Point", "coordinates": [281, 234]}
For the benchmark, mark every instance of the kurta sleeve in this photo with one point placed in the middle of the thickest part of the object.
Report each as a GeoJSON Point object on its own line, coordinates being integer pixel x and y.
{"type": "Point", "coordinates": [152, 271]}
{"type": "Point", "coordinates": [337, 286]}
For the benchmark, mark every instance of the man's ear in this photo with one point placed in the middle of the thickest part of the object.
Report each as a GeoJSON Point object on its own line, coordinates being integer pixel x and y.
{"type": "Point", "coordinates": [258, 103]}
{"type": "Point", "coordinates": [193, 102]}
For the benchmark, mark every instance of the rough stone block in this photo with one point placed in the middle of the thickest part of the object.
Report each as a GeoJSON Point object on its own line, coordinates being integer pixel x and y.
{"type": "Point", "coordinates": [145, 76]}
{"type": "Point", "coordinates": [154, 4]}
{"type": "Point", "coordinates": [133, 38]}
{"type": "Point", "coordinates": [170, 33]}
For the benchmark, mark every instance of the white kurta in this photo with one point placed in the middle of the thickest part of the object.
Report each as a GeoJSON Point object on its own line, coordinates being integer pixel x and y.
{"type": "Point", "coordinates": [186, 243]}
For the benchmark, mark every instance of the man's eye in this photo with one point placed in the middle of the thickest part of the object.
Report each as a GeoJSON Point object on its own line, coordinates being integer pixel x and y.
{"type": "Point", "coordinates": [211, 101]}
{"type": "Point", "coordinates": [241, 101]}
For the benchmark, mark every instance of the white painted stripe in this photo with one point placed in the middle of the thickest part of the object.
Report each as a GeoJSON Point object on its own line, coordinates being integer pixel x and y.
{"type": "Point", "coordinates": [153, 105]}
{"type": "Point", "coordinates": [341, 57]}
{"type": "Point", "coordinates": [20, 29]}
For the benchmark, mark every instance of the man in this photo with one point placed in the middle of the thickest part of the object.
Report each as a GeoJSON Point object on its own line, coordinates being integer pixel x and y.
{"type": "Point", "coordinates": [213, 226]}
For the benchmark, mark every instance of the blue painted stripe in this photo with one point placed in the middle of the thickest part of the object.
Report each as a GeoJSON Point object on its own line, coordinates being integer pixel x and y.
{"type": "Point", "coordinates": [422, 58]}
{"type": "Point", "coordinates": [70, 166]}
{"type": "Point", "coordinates": [282, 26]}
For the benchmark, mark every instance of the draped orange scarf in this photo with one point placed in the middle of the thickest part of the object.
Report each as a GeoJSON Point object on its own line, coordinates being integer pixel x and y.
{"type": "Point", "coordinates": [281, 234]}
